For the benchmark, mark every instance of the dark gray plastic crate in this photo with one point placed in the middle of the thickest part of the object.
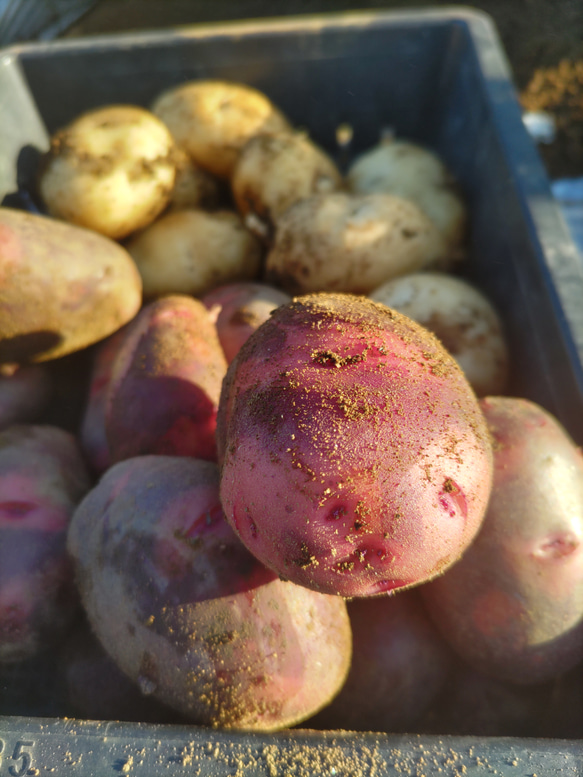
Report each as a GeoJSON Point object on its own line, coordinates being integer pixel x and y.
{"type": "Point", "coordinates": [438, 77]}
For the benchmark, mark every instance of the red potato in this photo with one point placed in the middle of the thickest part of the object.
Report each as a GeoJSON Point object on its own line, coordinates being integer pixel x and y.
{"type": "Point", "coordinates": [24, 394]}
{"type": "Point", "coordinates": [92, 435]}
{"type": "Point", "coordinates": [513, 605]}
{"type": "Point", "coordinates": [242, 308]}
{"type": "Point", "coordinates": [188, 613]}
{"type": "Point", "coordinates": [166, 382]}
{"type": "Point", "coordinates": [355, 458]}
{"type": "Point", "coordinates": [400, 662]}
{"type": "Point", "coordinates": [62, 288]}
{"type": "Point", "coordinates": [42, 478]}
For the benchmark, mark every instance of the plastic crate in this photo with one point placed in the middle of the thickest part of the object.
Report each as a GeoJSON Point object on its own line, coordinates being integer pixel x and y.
{"type": "Point", "coordinates": [438, 77]}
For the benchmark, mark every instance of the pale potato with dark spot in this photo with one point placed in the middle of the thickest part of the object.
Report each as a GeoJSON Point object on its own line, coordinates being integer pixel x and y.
{"type": "Point", "coordinates": [350, 243]}
{"type": "Point", "coordinates": [192, 251]}
{"type": "Point", "coordinates": [62, 288]}
{"type": "Point", "coordinates": [461, 317]}
{"type": "Point", "coordinates": [111, 170]}
{"type": "Point", "coordinates": [212, 120]}
{"type": "Point", "coordinates": [275, 170]}
{"type": "Point", "coordinates": [408, 170]}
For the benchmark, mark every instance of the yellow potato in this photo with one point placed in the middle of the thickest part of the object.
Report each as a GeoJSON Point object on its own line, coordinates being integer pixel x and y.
{"type": "Point", "coordinates": [212, 120]}
{"type": "Point", "coordinates": [192, 251]}
{"type": "Point", "coordinates": [277, 169]}
{"type": "Point", "coordinates": [343, 242]}
{"type": "Point", "coordinates": [461, 317]}
{"type": "Point", "coordinates": [408, 170]}
{"type": "Point", "coordinates": [111, 170]}
{"type": "Point", "coordinates": [62, 288]}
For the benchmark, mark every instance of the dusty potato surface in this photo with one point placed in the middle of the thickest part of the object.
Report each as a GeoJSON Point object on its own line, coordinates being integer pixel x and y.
{"type": "Point", "coordinates": [355, 458]}
{"type": "Point", "coordinates": [188, 613]}
{"type": "Point", "coordinates": [350, 243]}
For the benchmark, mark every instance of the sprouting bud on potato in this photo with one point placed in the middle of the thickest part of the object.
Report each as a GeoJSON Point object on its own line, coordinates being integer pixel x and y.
{"type": "Point", "coordinates": [111, 170]}
{"type": "Point", "coordinates": [212, 120]}
{"type": "Point", "coordinates": [192, 251]}
{"type": "Point", "coordinates": [513, 605]}
{"type": "Point", "coordinates": [408, 170]}
{"type": "Point", "coordinates": [42, 479]}
{"type": "Point", "coordinates": [274, 171]}
{"type": "Point", "coordinates": [165, 383]}
{"type": "Point", "coordinates": [187, 612]}
{"type": "Point", "coordinates": [349, 243]}
{"type": "Point", "coordinates": [62, 288]}
{"type": "Point", "coordinates": [240, 309]}
{"type": "Point", "coordinates": [355, 457]}
{"type": "Point", "coordinates": [461, 317]}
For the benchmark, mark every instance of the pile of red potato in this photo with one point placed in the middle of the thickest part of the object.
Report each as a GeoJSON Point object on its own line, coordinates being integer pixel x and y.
{"type": "Point", "coordinates": [297, 486]}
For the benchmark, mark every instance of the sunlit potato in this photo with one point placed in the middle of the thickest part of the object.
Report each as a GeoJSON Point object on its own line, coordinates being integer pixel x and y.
{"type": "Point", "coordinates": [111, 170]}
{"type": "Point", "coordinates": [463, 319]}
{"type": "Point", "coordinates": [408, 170]}
{"type": "Point", "coordinates": [276, 170]}
{"type": "Point", "coordinates": [212, 120]}
{"type": "Point", "coordinates": [193, 251]}
{"type": "Point", "coordinates": [350, 243]}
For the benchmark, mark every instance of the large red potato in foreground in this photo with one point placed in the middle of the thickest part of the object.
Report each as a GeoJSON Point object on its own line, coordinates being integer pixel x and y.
{"type": "Point", "coordinates": [513, 605]}
{"type": "Point", "coordinates": [355, 457]}
{"type": "Point", "coordinates": [187, 612]}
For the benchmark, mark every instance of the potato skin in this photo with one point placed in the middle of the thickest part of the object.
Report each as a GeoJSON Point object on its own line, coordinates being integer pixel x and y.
{"type": "Point", "coordinates": [461, 317]}
{"type": "Point", "coordinates": [275, 170]}
{"type": "Point", "coordinates": [400, 662]}
{"type": "Point", "coordinates": [191, 251]}
{"type": "Point", "coordinates": [42, 479]}
{"type": "Point", "coordinates": [111, 170]}
{"type": "Point", "coordinates": [355, 458]}
{"type": "Point", "coordinates": [62, 288]}
{"type": "Point", "coordinates": [408, 170]}
{"type": "Point", "coordinates": [340, 242]}
{"type": "Point", "coordinates": [242, 308]}
{"type": "Point", "coordinates": [513, 605]}
{"type": "Point", "coordinates": [166, 382]}
{"type": "Point", "coordinates": [189, 614]}
{"type": "Point", "coordinates": [92, 435]}
{"type": "Point", "coordinates": [212, 120]}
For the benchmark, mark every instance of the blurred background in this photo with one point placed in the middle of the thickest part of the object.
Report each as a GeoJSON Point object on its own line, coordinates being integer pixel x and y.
{"type": "Point", "coordinates": [542, 38]}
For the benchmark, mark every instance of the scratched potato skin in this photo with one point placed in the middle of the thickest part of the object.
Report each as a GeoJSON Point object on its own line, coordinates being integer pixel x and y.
{"type": "Point", "coordinates": [42, 479]}
{"type": "Point", "coordinates": [62, 288]}
{"type": "Point", "coordinates": [512, 607]}
{"type": "Point", "coordinates": [189, 614]}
